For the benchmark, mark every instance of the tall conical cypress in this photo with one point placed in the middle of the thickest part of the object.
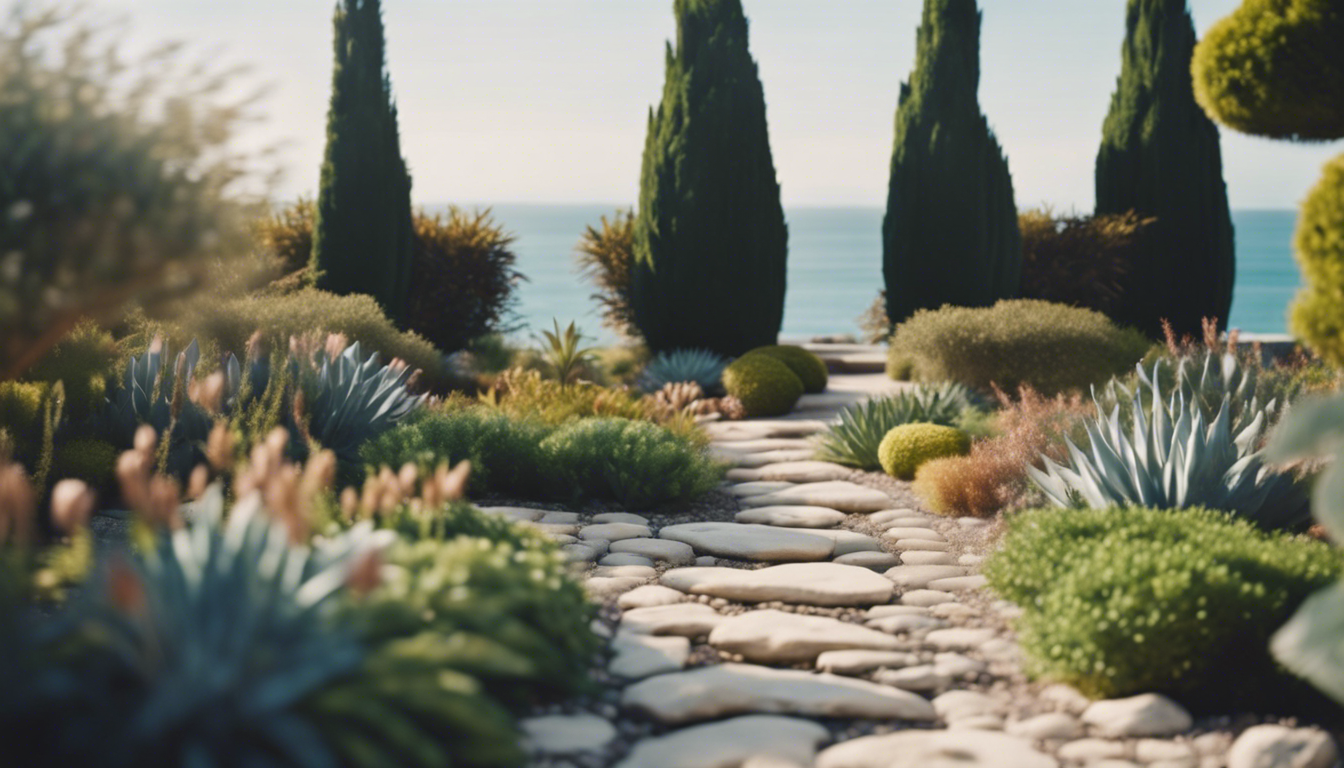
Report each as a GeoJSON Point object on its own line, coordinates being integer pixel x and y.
{"type": "Point", "coordinates": [710, 241]}
{"type": "Point", "coordinates": [950, 235]}
{"type": "Point", "coordinates": [1160, 156]}
{"type": "Point", "coordinates": [362, 240]}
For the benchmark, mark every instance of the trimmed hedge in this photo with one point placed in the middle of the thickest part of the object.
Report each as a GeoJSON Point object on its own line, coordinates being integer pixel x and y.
{"type": "Point", "coordinates": [809, 368]}
{"type": "Point", "coordinates": [1124, 600]}
{"type": "Point", "coordinates": [907, 447]}
{"type": "Point", "coordinates": [1051, 347]}
{"type": "Point", "coordinates": [766, 386]}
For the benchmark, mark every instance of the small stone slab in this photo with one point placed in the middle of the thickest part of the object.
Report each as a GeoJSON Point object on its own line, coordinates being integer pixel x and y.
{"type": "Point", "coordinates": [751, 542]}
{"type": "Point", "coordinates": [753, 460]}
{"type": "Point", "coordinates": [957, 665]}
{"type": "Point", "coordinates": [922, 677]}
{"type": "Point", "coordinates": [838, 494]}
{"type": "Point", "coordinates": [610, 586]}
{"type": "Point", "coordinates": [958, 705]}
{"type": "Point", "coordinates": [793, 472]}
{"type": "Point", "coordinates": [638, 656]}
{"type": "Point", "coordinates": [916, 557]}
{"type": "Point", "coordinates": [926, 598]}
{"type": "Point", "coordinates": [731, 689]}
{"type": "Point", "coordinates": [882, 611]}
{"type": "Point", "coordinates": [583, 552]}
{"type": "Point", "coordinates": [645, 572]}
{"type": "Point", "coordinates": [920, 545]}
{"type": "Point", "coordinates": [1149, 714]}
{"type": "Point", "coordinates": [960, 583]}
{"type": "Point", "coordinates": [821, 584]}
{"type": "Point", "coordinates": [858, 662]}
{"type": "Point", "coordinates": [748, 490]}
{"type": "Point", "coordinates": [776, 637]}
{"type": "Point", "coordinates": [683, 619]}
{"type": "Point", "coordinates": [674, 552]}
{"type": "Point", "coordinates": [731, 743]}
{"type": "Point", "coordinates": [560, 518]}
{"type": "Point", "coordinates": [927, 534]}
{"type": "Point", "coordinates": [872, 560]}
{"type": "Point", "coordinates": [566, 734]}
{"type": "Point", "coordinates": [936, 749]}
{"type": "Point", "coordinates": [620, 517]}
{"type": "Point", "coordinates": [516, 513]}
{"type": "Point", "coordinates": [743, 447]}
{"type": "Point", "coordinates": [1271, 746]}
{"type": "Point", "coordinates": [614, 531]}
{"type": "Point", "coordinates": [552, 529]}
{"type": "Point", "coordinates": [649, 596]}
{"type": "Point", "coordinates": [792, 517]}
{"type": "Point", "coordinates": [958, 638]}
{"type": "Point", "coordinates": [849, 542]}
{"type": "Point", "coordinates": [888, 515]}
{"type": "Point", "coordinates": [919, 576]}
{"type": "Point", "coordinates": [1052, 725]}
{"type": "Point", "coordinates": [758, 429]}
{"type": "Point", "coordinates": [619, 558]}
{"type": "Point", "coordinates": [899, 625]}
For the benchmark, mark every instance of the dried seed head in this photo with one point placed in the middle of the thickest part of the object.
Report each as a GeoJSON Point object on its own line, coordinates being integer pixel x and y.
{"type": "Point", "coordinates": [133, 477]}
{"type": "Point", "coordinates": [256, 347]}
{"type": "Point", "coordinates": [219, 447]}
{"type": "Point", "coordinates": [72, 504]}
{"type": "Point", "coordinates": [163, 508]}
{"type": "Point", "coordinates": [146, 440]}
{"type": "Point", "coordinates": [349, 504]}
{"type": "Point", "coordinates": [199, 481]}
{"type": "Point", "coordinates": [336, 344]}
{"type": "Point", "coordinates": [125, 590]}
{"type": "Point", "coordinates": [454, 484]}
{"type": "Point", "coordinates": [18, 505]}
{"type": "Point", "coordinates": [407, 478]}
{"type": "Point", "coordinates": [366, 574]}
{"type": "Point", "coordinates": [209, 394]}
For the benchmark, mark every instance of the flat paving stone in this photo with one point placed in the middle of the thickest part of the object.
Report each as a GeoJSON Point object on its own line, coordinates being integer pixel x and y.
{"type": "Point", "coordinates": [560, 518]}
{"type": "Point", "coordinates": [614, 531]}
{"type": "Point", "coordinates": [749, 490]}
{"type": "Point", "coordinates": [751, 542]}
{"type": "Point", "coordinates": [820, 584]}
{"type": "Point", "coordinates": [936, 749]}
{"type": "Point", "coordinates": [776, 637]}
{"type": "Point", "coordinates": [649, 596]}
{"type": "Point", "coordinates": [645, 572]}
{"type": "Point", "coordinates": [611, 586]}
{"type": "Point", "coordinates": [638, 656]}
{"type": "Point", "coordinates": [621, 558]}
{"type": "Point", "coordinates": [927, 534]}
{"type": "Point", "coordinates": [583, 551]}
{"type": "Point", "coordinates": [854, 662]}
{"type": "Point", "coordinates": [916, 557]}
{"type": "Point", "coordinates": [664, 550]}
{"type": "Point", "coordinates": [731, 744]}
{"type": "Point", "coordinates": [760, 429]}
{"type": "Point", "coordinates": [730, 689]}
{"type": "Point", "coordinates": [516, 513]}
{"type": "Point", "coordinates": [882, 611]}
{"type": "Point", "coordinates": [761, 445]}
{"type": "Point", "coordinates": [620, 517]}
{"type": "Point", "coordinates": [958, 638]}
{"type": "Point", "coordinates": [792, 517]}
{"type": "Point", "coordinates": [888, 515]}
{"type": "Point", "coordinates": [849, 542]}
{"type": "Point", "coordinates": [919, 576]}
{"type": "Point", "coordinates": [957, 705]}
{"type": "Point", "coordinates": [838, 494]}
{"type": "Point", "coordinates": [873, 560]}
{"type": "Point", "coordinates": [926, 598]}
{"type": "Point", "coordinates": [899, 625]}
{"type": "Point", "coordinates": [1051, 725]}
{"type": "Point", "coordinates": [922, 677]}
{"type": "Point", "coordinates": [566, 734]}
{"type": "Point", "coordinates": [960, 583]}
{"type": "Point", "coordinates": [792, 472]}
{"type": "Point", "coordinates": [1148, 714]}
{"type": "Point", "coordinates": [754, 460]}
{"type": "Point", "coordinates": [683, 619]}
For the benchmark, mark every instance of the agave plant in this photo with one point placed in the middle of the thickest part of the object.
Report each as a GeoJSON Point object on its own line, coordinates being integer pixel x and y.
{"type": "Point", "coordinates": [154, 391]}
{"type": "Point", "coordinates": [1170, 455]}
{"type": "Point", "coordinates": [1204, 378]}
{"type": "Point", "coordinates": [698, 366]}
{"type": "Point", "coordinates": [352, 399]}
{"type": "Point", "coordinates": [854, 440]}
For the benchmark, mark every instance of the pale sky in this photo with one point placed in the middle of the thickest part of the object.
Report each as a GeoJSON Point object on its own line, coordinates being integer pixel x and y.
{"type": "Point", "coordinates": [546, 100]}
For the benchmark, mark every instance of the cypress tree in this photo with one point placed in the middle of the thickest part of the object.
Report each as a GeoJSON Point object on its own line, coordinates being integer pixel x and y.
{"type": "Point", "coordinates": [1160, 157]}
{"type": "Point", "coordinates": [362, 239]}
{"type": "Point", "coordinates": [950, 235]}
{"type": "Point", "coordinates": [710, 242]}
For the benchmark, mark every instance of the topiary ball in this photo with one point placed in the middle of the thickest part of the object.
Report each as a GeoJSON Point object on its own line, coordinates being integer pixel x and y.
{"type": "Point", "coordinates": [1317, 315]}
{"type": "Point", "coordinates": [809, 368]}
{"type": "Point", "coordinates": [908, 446]}
{"type": "Point", "coordinates": [766, 386]}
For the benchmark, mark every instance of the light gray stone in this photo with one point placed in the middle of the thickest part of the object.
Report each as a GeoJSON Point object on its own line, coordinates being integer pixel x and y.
{"type": "Point", "coordinates": [611, 586]}
{"type": "Point", "coordinates": [977, 723]}
{"type": "Point", "coordinates": [622, 558]}
{"type": "Point", "coordinates": [792, 517]}
{"type": "Point", "coordinates": [821, 584]}
{"type": "Point", "coordinates": [566, 734]}
{"type": "Point", "coordinates": [515, 513]}
{"type": "Point", "coordinates": [849, 542]}
{"type": "Point", "coordinates": [560, 518]}
{"type": "Point", "coordinates": [922, 677]}
{"type": "Point", "coordinates": [973, 522]}
{"type": "Point", "coordinates": [1277, 746]}
{"type": "Point", "coordinates": [958, 638]}
{"type": "Point", "coordinates": [1066, 698]}
{"type": "Point", "coordinates": [872, 560]}
{"type": "Point", "coordinates": [552, 529]}
{"type": "Point", "coordinates": [760, 488]}
{"type": "Point", "coordinates": [620, 517]}
{"type": "Point", "coordinates": [850, 662]}
{"type": "Point", "coordinates": [920, 545]}
{"type": "Point", "coordinates": [744, 447]}
{"type": "Point", "coordinates": [751, 542]}
{"type": "Point", "coordinates": [638, 655]}
{"type": "Point", "coordinates": [909, 521]}
{"type": "Point", "coordinates": [562, 539]}
{"type": "Point", "coordinates": [776, 637]}
{"type": "Point", "coordinates": [936, 749]}
{"type": "Point", "coordinates": [883, 611]}
{"type": "Point", "coordinates": [706, 561]}
{"type": "Point", "coordinates": [959, 583]}
{"type": "Point", "coordinates": [684, 619]}
{"type": "Point", "coordinates": [1167, 752]}
{"type": "Point", "coordinates": [919, 576]}
{"type": "Point", "coordinates": [837, 494]}
{"type": "Point", "coordinates": [925, 534]}
{"type": "Point", "coordinates": [917, 557]}
{"type": "Point", "coordinates": [730, 689]}
{"type": "Point", "coordinates": [957, 665]}
{"type": "Point", "coordinates": [731, 744]}
{"type": "Point", "coordinates": [1149, 714]}
{"type": "Point", "coordinates": [635, 571]}
{"type": "Point", "coordinates": [955, 705]}
{"type": "Point", "coordinates": [792, 472]}
{"type": "Point", "coordinates": [888, 515]}
{"type": "Point", "coordinates": [584, 551]}
{"type": "Point", "coordinates": [1052, 725]}
{"type": "Point", "coordinates": [649, 596]}
{"type": "Point", "coordinates": [1087, 750]}
{"type": "Point", "coordinates": [971, 559]}
{"type": "Point", "coordinates": [753, 460]}
{"type": "Point", "coordinates": [614, 531]}
{"type": "Point", "coordinates": [674, 552]}
{"type": "Point", "coordinates": [926, 597]}
{"type": "Point", "coordinates": [902, 624]}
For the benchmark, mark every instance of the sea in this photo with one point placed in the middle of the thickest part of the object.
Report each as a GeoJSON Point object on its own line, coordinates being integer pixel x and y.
{"type": "Point", "coordinates": [835, 268]}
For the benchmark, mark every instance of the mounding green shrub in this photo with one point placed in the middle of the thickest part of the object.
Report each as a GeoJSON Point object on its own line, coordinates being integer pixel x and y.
{"type": "Point", "coordinates": [87, 459]}
{"type": "Point", "coordinates": [85, 361]}
{"type": "Point", "coordinates": [766, 386]}
{"type": "Point", "coordinates": [809, 368]}
{"type": "Point", "coordinates": [908, 446]}
{"type": "Point", "coordinates": [854, 440]}
{"type": "Point", "coordinates": [1129, 600]}
{"type": "Point", "coordinates": [637, 463]}
{"type": "Point", "coordinates": [1316, 314]}
{"type": "Point", "coordinates": [1051, 347]}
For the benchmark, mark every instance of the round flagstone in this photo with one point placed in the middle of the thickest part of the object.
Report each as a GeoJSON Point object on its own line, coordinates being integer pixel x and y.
{"type": "Point", "coordinates": [887, 515]}
{"type": "Point", "coordinates": [560, 518]}
{"type": "Point", "coordinates": [515, 513]}
{"type": "Point", "coordinates": [1149, 714]}
{"type": "Point", "coordinates": [614, 531]}
{"type": "Point", "coordinates": [916, 557]}
{"type": "Point", "coordinates": [776, 637]}
{"type": "Point", "coordinates": [882, 611]}
{"type": "Point", "coordinates": [668, 551]}
{"type": "Point", "coordinates": [951, 611]}
{"type": "Point", "coordinates": [851, 662]}
{"type": "Point", "coordinates": [793, 472]}
{"type": "Point", "coordinates": [848, 542]}
{"type": "Point", "coordinates": [920, 545]}
{"type": "Point", "coordinates": [955, 705]}
{"type": "Point", "coordinates": [926, 597]}
{"type": "Point", "coordinates": [639, 655]}
{"type": "Point", "coordinates": [610, 586]}
{"type": "Point", "coordinates": [645, 572]}
{"type": "Point", "coordinates": [838, 494]}
{"type": "Point", "coordinates": [960, 583]}
{"type": "Point", "coordinates": [620, 558]}
{"type": "Point", "coordinates": [958, 638]}
{"type": "Point", "coordinates": [898, 625]}
{"type": "Point", "coordinates": [873, 560]}
{"type": "Point", "coordinates": [684, 619]}
{"type": "Point", "coordinates": [957, 665]}
{"type": "Point", "coordinates": [751, 542]}
{"type": "Point", "coordinates": [648, 596]}
{"type": "Point", "coordinates": [936, 749]}
{"type": "Point", "coordinates": [566, 734]}
{"type": "Point", "coordinates": [792, 517]}
{"type": "Point", "coordinates": [620, 517]}
{"type": "Point", "coordinates": [1272, 746]}
{"type": "Point", "coordinates": [584, 551]}
{"type": "Point", "coordinates": [552, 529]}
{"type": "Point", "coordinates": [730, 689]}
{"type": "Point", "coordinates": [731, 744]}
{"type": "Point", "coordinates": [919, 576]}
{"type": "Point", "coordinates": [821, 584]}
{"type": "Point", "coordinates": [760, 488]}
{"type": "Point", "coordinates": [922, 677]}
{"type": "Point", "coordinates": [927, 534]}
{"type": "Point", "coordinates": [762, 445]}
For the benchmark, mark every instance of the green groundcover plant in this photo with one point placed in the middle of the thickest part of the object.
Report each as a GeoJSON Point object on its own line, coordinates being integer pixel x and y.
{"type": "Point", "coordinates": [854, 440]}
{"type": "Point", "coordinates": [1128, 600]}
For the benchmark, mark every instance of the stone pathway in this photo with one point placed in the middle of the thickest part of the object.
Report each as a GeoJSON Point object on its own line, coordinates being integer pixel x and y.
{"type": "Point", "coordinates": [825, 625]}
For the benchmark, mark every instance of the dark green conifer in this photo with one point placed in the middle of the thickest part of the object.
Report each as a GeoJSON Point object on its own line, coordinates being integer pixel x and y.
{"type": "Point", "coordinates": [950, 235]}
{"type": "Point", "coordinates": [710, 243]}
{"type": "Point", "coordinates": [362, 240]}
{"type": "Point", "coordinates": [1160, 156]}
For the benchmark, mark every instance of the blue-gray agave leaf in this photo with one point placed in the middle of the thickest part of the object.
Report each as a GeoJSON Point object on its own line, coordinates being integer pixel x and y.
{"type": "Point", "coordinates": [355, 399]}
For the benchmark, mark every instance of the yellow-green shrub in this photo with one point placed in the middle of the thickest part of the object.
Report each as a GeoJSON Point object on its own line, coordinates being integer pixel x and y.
{"type": "Point", "coordinates": [286, 234]}
{"type": "Point", "coordinates": [1318, 311]}
{"type": "Point", "coordinates": [908, 446]}
{"type": "Point", "coordinates": [765, 386]}
{"type": "Point", "coordinates": [1051, 347]}
{"type": "Point", "coordinates": [85, 362]}
{"type": "Point", "coordinates": [21, 408]}
{"type": "Point", "coordinates": [806, 366]}
{"type": "Point", "coordinates": [87, 459]}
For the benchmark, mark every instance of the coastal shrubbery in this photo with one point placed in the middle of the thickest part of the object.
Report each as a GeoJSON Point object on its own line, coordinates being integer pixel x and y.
{"type": "Point", "coordinates": [809, 368]}
{"type": "Point", "coordinates": [854, 440]}
{"type": "Point", "coordinates": [907, 447]}
{"type": "Point", "coordinates": [764, 385]}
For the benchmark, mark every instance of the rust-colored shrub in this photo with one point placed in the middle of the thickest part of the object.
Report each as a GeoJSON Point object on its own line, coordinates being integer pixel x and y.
{"type": "Point", "coordinates": [1083, 261]}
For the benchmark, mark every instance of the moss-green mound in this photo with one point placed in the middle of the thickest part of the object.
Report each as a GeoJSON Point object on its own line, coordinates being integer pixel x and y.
{"type": "Point", "coordinates": [806, 366]}
{"type": "Point", "coordinates": [908, 446]}
{"type": "Point", "coordinates": [766, 386]}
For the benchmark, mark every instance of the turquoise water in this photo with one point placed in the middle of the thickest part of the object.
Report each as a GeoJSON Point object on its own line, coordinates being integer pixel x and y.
{"type": "Point", "coordinates": [835, 267]}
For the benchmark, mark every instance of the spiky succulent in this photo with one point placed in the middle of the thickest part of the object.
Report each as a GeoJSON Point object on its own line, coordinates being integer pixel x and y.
{"type": "Point", "coordinates": [352, 399]}
{"type": "Point", "coordinates": [699, 366]}
{"type": "Point", "coordinates": [854, 440]}
{"type": "Point", "coordinates": [1165, 453]}
{"type": "Point", "coordinates": [154, 391]}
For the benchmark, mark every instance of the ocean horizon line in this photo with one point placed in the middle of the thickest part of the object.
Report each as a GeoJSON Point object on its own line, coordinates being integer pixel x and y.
{"type": "Point", "coordinates": [614, 206]}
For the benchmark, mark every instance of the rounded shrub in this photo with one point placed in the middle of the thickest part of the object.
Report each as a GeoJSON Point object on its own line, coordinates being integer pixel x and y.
{"type": "Point", "coordinates": [1051, 347]}
{"type": "Point", "coordinates": [1318, 312]}
{"type": "Point", "coordinates": [92, 461]}
{"type": "Point", "coordinates": [766, 386]}
{"type": "Point", "coordinates": [806, 366]}
{"type": "Point", "coordinates": [907, 447]}
{"type": "Point", "coordinates": [1128, 600]}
